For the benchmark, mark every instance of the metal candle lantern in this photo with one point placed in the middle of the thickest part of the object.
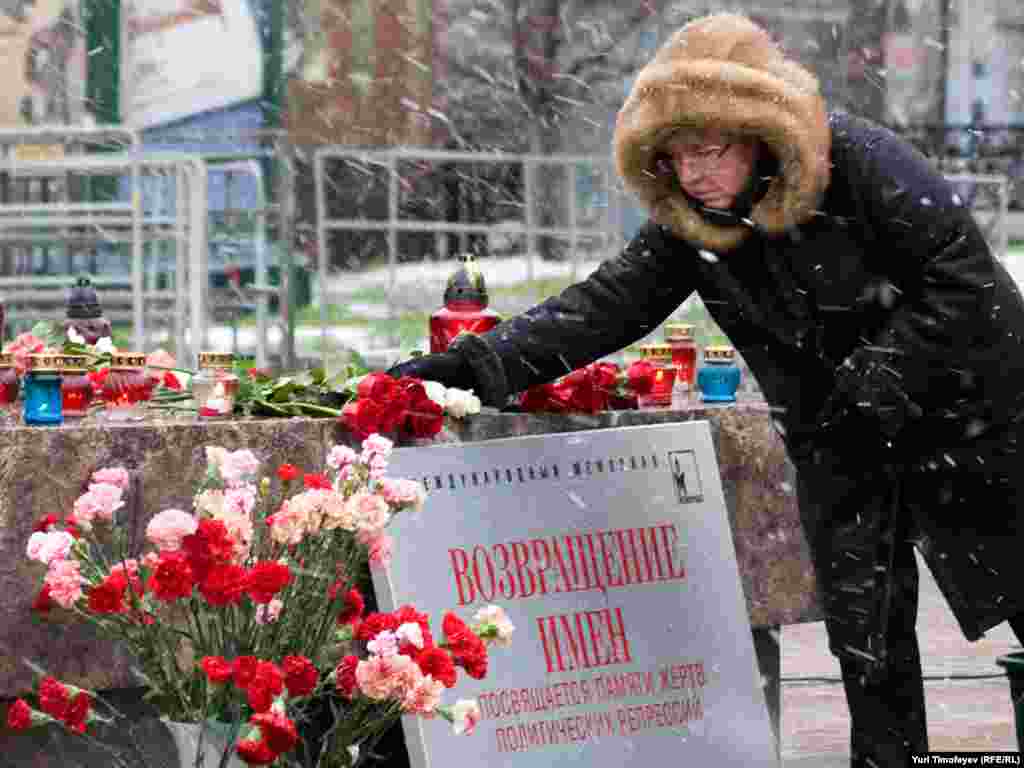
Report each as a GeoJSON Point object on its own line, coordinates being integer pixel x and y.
{"type": "Point", "coordinates": [465, 307]}
{"type": "Point", "coordinates": [84, 313]}
{"type": "Point", "coordinates": [43, 400]}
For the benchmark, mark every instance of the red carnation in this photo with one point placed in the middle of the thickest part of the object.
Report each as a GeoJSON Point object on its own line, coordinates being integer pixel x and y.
{"type": "Point", "coordinates": [361, 417]}
{"type": "Point", "coordinates": [266, 579]}
{"type": "Point", "coordinates": [474, 660]}
{"type": "Point", "coordinates": [244, 670]}
{"type": "Point", "coordinates": [44, 524]}
{"type": "Point", "coordinates": [218, 670]}
{"type": "Point", "coordinates": [379, 387]}
{"type": "Point", "coordinates": [224, 584]}
{"type": "Point", "coordinates": [172, 577]}
{"type": "Point", "coordinates": [278, 730]}
{"type": "Point", "coordinates": [269, 674]}
{"type": "Point", "coordinates": [345, 676]}
{"type": "Point", "coordinates": [255, 752]}
{"type": "Point", "coordinates": [316, 481]}
{"type": "Point", "coordinates": [438, 664]}
{"type": "Point", "coordinates": [300, 676]}
{"type": "Point", "coordinates": [466, 648]}
{"type": "Point", "coordinates": [640, 376]}
{"type": "Point", "coordinates": [425, 418]}
{"type": "Point", "coordinates": [78, 712]}
{"type": "Point", "coordinates": [374, 624]}
{"type": "Point", "coordinates": [210, 545]}
{"type": "Point", "coordinates": [259, 697]}
{"type": "Point", "coordinates": [353, 609]}
{"type": "Point", "coordinates": [54, 697]}
{"type": "Point", "coordinates": [455, 630]}
{"type": "Point", "coordinates": [544, 397]}
{"type": "Point", "coordinates": [19, 716]}
{"type": "Point", "coordinates": [287, 472]}
{"type": "Point", "coordinates": [71, 526]}
{"type": "Point", "coordinates": [43, 602]}
{"type": "Point", "coordinates": [108, 595]}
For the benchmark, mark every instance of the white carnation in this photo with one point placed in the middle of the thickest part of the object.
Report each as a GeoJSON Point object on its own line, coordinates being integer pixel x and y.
{"type": "Point", "coordinates": [459, 403]}
{"type": "Point", "coordinates": [436, 391]}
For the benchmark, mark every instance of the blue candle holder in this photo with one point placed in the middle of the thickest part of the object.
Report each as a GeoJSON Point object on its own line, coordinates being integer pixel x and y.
{"type": "Point", "coordinates": [719, 377]}
{"type": "Point", "coordinates": [42, 394]}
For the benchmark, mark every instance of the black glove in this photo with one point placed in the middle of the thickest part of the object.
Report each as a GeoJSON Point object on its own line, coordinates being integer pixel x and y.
{"type": "Point", "coordinates": [448, 368]}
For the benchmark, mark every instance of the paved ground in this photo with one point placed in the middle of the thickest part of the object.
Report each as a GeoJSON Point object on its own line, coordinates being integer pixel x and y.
{"type": "Point", "coordinates": [963, 714]}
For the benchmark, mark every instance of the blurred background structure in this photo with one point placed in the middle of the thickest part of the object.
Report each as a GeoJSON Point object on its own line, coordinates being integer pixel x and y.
{"type": "Point", "coordinates": [350, 149]}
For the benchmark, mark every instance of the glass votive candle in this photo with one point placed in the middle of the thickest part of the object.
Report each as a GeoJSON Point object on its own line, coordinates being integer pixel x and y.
{"type": "Point", "coordinates": [719, 377]}
{"type": "Point", "coordinates": [127, 388]}
{"type": "Point", "coordinates": [43, 405]}
{"type": "Point", "coordinates": [660, 394]}
{"type": "Point", "coordinates": [76, 388]}
{"type": "Point", "coordinates": [679, 336]}
{"type": "Point", "coordinates": [215, 385]}
{"type": "Point", "coordinates": [10, 385]}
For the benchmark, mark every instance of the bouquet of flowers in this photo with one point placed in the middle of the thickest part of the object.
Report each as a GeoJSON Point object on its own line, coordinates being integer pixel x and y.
{"type": "Point", "coordinates": [409, 406]}
{"type": "Point", "coordinates": [247, 612]}
{"type": "Point", "coordinates": [600, 386]}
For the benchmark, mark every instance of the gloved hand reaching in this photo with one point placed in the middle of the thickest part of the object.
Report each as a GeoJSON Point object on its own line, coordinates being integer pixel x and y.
{"type": "Point", "coordinates": [448, 368]}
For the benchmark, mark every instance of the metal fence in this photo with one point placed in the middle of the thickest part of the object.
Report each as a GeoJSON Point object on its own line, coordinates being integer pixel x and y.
{"type": "Point", "coordinates": [568, 200]}
{"type": "Point", "coordinates": [143, 222]}
{"type": "Point", "coordinates": [83, 212]}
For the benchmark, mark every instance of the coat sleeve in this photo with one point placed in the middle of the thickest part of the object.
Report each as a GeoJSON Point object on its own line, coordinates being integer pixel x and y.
{"type": "Point", "coordinates": [624, 299]}
{"type": "Point", "coordinates": [941, 277]}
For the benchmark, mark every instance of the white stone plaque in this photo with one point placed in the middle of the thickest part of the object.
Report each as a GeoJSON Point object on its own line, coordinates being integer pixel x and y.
{"type": "Point", "coordinates": [612, 554]}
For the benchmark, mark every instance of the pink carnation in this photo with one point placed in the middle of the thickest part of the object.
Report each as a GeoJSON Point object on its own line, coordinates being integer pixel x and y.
{"type": "Point", "coordinates": [240, 500]}
{"type": "Point", "coordinates": [65, 582]}
{"type": "Point", "coordinates": [379, 546]}
{"type": "Point", "coordinates": [239, 466]}
{"type": "Point", "coordinates": [267, 614]}
{"type": "Point", "coordinates": [112, 476]}
{"type": "Point", "coordinates": [25, 344]}
{"type": "Point", "coordinates": [376, 445]}
{"type": "Point", "coordinates": [403, 493]}
{"type": "Point", "coordinates": [369, 512]}
{"type": "Point", "coordinates": [98, 503]}
{"type": "Point", "coordinates": [379, 677]}
{"type": "Point", "coordinates": [424, 697]}
{"type": "Point", "coordinates": [168, 528]}
{"type": "Point", "coordinates": [340, 457]}
{"type": "Point", "coordinates": [48, 547]}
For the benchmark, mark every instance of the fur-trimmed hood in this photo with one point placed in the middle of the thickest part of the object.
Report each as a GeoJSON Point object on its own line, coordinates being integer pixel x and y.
{"type": "Point", "coordinates": [725, 71]}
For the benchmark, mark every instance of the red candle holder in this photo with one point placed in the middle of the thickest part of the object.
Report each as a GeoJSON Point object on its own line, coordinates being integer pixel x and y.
{"type": "Point", "coordinates": [10, 386]}
{"type": "Point", "coordinates": [679, 336]}
{"type": "Point", "coordinates": [76, 388]}
{"type": "Point", "coordinates": [465, 307]}
{"type": "Point", "coordinates": [663, 379]}
{"type": "Point", "coordinates": [126, 388]}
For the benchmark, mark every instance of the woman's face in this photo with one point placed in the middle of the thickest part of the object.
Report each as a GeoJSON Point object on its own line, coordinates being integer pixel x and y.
{"type": "Point", "coordinates": [711, 166]}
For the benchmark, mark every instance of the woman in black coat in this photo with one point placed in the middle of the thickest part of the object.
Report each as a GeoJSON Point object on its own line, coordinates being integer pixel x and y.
{"type": "Point", "coordinates": [859, 290]}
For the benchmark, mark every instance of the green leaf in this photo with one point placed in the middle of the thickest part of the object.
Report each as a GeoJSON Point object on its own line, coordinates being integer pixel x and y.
{"type": "Point", "coordinates": [46, 331]}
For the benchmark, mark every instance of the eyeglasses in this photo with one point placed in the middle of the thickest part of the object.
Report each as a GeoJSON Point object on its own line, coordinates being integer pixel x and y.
{"type": "Point", "coordinates": [703, 159]}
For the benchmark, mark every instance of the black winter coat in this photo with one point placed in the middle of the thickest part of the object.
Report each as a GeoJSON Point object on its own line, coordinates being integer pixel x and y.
{"type": "Point", "coordinates": [888, 340]}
